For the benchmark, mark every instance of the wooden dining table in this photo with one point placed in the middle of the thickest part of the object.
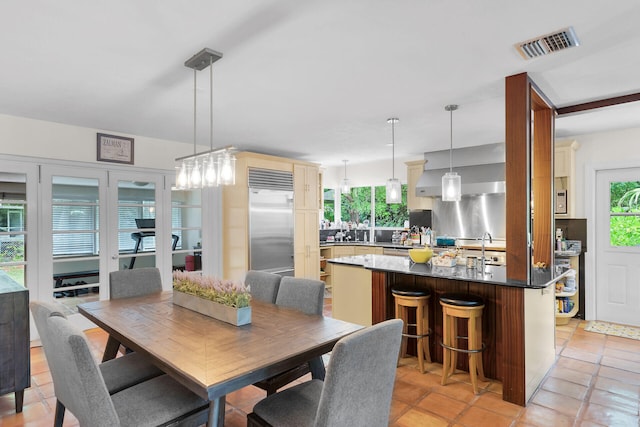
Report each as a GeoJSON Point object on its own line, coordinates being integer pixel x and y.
{"type": "Point", "coordinates": [210, 357]}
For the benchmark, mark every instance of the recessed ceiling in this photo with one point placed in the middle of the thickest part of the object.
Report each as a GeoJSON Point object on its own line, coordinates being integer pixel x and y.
{"type": "Point", "coordinates": [314, 80]}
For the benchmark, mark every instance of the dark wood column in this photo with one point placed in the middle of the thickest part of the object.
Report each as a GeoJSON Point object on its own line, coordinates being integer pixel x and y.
{"type": "Point", "coordinates": [518, 173]}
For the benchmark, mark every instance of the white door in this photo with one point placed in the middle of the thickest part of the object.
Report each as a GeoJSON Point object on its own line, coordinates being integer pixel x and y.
{"type": "Point", "coordinates": [72, 223]}
{"type": "Point", "coordinates": [135, 214]}
{"type": "Point", "coordinates": [617, 246]}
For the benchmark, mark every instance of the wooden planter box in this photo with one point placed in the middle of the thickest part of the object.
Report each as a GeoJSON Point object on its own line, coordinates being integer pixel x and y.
{"type": "Point", "coordinates": [235, 316]}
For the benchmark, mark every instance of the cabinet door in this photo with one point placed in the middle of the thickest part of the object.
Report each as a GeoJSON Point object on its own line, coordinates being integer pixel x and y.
{"type": "Point", "coordinates": [562, 162]}
{"type": "Point", "coordinates": [307, 244]}
{"type": "Point", "coordinates": [305, 184]}
{"type": "Point", "coordinates": [414, 170]}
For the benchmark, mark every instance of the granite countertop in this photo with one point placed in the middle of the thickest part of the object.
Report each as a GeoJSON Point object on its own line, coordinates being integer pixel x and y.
{"type": "Point", "coordinates": [494, 275]}
{"type": "Point", "coordinates": [371, 244]}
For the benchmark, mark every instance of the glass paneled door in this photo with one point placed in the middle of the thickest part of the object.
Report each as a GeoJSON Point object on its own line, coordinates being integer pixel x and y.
{"type": "Point", "coordinates": [73, 269]}
{"type": "Point", "coordinates": [135, 217]}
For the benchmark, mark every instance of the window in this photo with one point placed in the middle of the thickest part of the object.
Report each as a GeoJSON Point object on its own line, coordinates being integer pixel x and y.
{"type": "Point", "coordinates": [356, 207]}
{"type": "Point", "coordinates": [12, 226]}
{"type": "Point", "coordinates": [75, 216]}
{"type": "Point", "coordinates": [624, 213]}
{"type": "Point", "coordinates": [329, 204]}
{"type": "Point", "coordinates": [393, 215]}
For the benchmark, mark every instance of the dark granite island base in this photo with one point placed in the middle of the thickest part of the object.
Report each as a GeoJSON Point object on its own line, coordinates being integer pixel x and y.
{"type": "Point", "coordinates": [518, 321]}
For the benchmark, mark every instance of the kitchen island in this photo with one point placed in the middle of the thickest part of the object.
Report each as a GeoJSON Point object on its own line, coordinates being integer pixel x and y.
{"type": "Point", "coordinates": [518, 319]}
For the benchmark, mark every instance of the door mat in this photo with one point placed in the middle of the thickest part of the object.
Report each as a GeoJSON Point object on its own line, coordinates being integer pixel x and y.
{"type": "Point", "coordinates": [607, 328]}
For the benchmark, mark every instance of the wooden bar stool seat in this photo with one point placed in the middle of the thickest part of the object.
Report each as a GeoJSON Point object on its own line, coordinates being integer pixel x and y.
{"type": "Point", "coordinates": [414, 298]}
{"type": "Point", "coordinates": [461, 306]}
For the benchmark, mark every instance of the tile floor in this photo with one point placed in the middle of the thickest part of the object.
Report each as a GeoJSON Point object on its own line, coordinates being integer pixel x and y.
{"type": "Point", "coordinates": [595, 382]}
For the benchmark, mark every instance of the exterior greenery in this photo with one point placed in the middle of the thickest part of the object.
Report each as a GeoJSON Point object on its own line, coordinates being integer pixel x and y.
{"type": "Point", "coordinates": [624, 222]}
{"type": "Point", "coordinates": [356, 207]}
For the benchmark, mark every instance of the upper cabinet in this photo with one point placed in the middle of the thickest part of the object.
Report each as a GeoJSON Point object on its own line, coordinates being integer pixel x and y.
{"type": "Point", "coordinates": [306, 181]}
{"type": "Point", "coordinates": [414, 170]}
{"type": "Point", "coordinates": [565, 173]}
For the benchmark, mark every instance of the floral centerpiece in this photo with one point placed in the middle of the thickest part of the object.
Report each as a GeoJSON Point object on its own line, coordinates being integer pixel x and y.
{"type": "Point", "coordinates": [224, 300]}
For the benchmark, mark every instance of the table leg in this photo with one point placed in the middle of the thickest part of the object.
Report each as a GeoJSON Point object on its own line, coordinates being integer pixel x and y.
{"type": "Point", "coordinates": [111, 350]}
{"type": "Point", "coordinates": [216, 412]}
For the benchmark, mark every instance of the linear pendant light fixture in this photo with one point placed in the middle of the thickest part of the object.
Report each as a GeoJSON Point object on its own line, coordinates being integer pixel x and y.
{"type": "Point", "coordinates": [394, 189]}
{"type": "Point", "coordinates": [217, 165]}
{"type": "Point", "coordinates": [451, 183]}
{"type": "Point", "coordinates": [345, 184]}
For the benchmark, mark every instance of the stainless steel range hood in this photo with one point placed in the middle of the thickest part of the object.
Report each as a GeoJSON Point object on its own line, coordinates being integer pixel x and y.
{"type": "Point", "coordinates": [481, 168]}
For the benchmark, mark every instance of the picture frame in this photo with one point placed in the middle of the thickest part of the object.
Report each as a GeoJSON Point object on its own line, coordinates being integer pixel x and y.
{"type": "Point", "coordinates": [114, 149]}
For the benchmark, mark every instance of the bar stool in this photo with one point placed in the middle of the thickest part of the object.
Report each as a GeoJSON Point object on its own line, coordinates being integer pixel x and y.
{"type": "Point", "coordinates": [410, 297]}
{"type": "Point", "coordinates": [461, 306]}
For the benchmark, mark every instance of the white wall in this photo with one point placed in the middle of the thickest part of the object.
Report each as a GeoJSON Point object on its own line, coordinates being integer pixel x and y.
{"type": "Point", "coordinates": [616, 147]}
{"type": "Point", "coordinates": [36, 138]}
{"type": "Point", "coordinates": [368, 173]}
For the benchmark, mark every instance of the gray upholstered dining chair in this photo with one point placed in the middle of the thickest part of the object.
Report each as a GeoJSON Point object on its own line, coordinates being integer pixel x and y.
{"type": "Point", "coordinates": [263, 286]}
{"type": "Point", "coordinates": [80, 386]}
{"type": "Point", "coordinates": [356, 392]}
{"type": "Point", "coordinates": [306, 295]}
{"type": "Point", "coordinates": [127, 284]}
{"type": "Point", "coordinates": [118, 373]}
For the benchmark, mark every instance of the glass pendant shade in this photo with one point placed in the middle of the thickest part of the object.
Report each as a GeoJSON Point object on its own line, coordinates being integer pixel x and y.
{"type": "Point", "coordinates": [394, 191]}
{"type": "Point", "coordinates": [394, 188]}
{"type": "Point", "coordinates": [345, 186]}
{"type": "Point", "coordinates": [451, 187]}
{"type": "Point", "coordinates": [182, 177]}
{"type": "Point", "coordinates": [227, 169]}
{"type": "Point", "coordinates": [451, 183]}
{"type": "Point", "coordinates": [210, 173]}
{"type": "Point", "coordinates": [195, 178]}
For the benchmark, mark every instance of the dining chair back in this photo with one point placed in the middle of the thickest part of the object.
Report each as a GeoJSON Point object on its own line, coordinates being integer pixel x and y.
{"type": "Point", "coordinates": [130, 283]}
{"type": "Point", "coordinates": [118, 374]}
{"type": "Point", "coordinates": [134, 283]}
{"type": "Point", "coordinates": [263, 286]}
{"type": "Point", "coordinates": [357, 390]}
{"type": "Point", "coordinates": [306, 295]}
{"type": "Point", "coordinates": [80, 387]}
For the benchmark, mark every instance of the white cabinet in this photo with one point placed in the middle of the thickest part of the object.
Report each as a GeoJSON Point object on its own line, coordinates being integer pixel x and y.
{"type": "Point", "coordinates": [414, 170]}
{"type": "Point", "coordinates": [565, 173]}
{"type": "Point", "coordinates": [567, 303]}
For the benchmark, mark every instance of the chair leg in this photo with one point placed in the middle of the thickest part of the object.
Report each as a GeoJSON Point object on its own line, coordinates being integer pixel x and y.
{"type": "Point", "coordinates": [425, 329]}
{"type": "Point", "coordinates": [254, 420]}
{"type": "Point", "coordinates": [446, 353]}
{"type": "Point", "coordinates": [59, 415]}
{"type": "Point", "coordinates": [419, 341]}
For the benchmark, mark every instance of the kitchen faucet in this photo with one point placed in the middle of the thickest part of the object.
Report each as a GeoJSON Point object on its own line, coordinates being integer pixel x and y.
{"type": "Point", "coordinates": [483, 259]}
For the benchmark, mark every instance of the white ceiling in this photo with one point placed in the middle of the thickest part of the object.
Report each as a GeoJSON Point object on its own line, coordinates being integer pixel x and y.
{"type": "Point", "coordinates": [313, 79]}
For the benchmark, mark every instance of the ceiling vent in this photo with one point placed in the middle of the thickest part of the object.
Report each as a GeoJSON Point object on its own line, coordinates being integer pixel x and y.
{"type": "Point", "coordinates": [548, 43]}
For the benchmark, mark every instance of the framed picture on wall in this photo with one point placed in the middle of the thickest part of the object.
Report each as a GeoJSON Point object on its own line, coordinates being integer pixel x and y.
{"type": "Point", "coordinates": [115, 149]}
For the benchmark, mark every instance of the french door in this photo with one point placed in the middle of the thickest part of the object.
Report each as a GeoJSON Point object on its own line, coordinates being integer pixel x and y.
{"type": "Point", "coordinates": [618, 246]}
{"type": "Point", "coordinates": [95, 221]}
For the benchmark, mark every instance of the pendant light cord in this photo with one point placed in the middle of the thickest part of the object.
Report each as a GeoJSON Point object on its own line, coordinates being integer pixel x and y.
{"type": "Point", "coordinates": [211, 103]}
{"type": "Point", "coordinates": [393, 148]}
{"type": "Point", "coordinates": [345, 169]}
{"type": "Point", "coordinates": [195, 106]}
{"type": "Point", "coordinates": [451, 139]}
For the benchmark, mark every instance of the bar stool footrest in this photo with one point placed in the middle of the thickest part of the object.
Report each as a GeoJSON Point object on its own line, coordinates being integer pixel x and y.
{"type": "Point", "coordinates": [464, 350]}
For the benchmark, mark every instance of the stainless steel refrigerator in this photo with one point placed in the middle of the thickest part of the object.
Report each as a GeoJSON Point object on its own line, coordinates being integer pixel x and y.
{"type": "Point", "coordinates": [271, 221]}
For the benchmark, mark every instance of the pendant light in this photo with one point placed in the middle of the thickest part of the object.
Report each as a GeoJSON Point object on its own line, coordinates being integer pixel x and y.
{"type": "Point", "coordinates": [345, 185]}
{"type": "Point", "coordinates": [394, 188]}
{"type": "Point", "coordinates": [215, 166]}
{"type": "Point", "coordinates": [451, 183]}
